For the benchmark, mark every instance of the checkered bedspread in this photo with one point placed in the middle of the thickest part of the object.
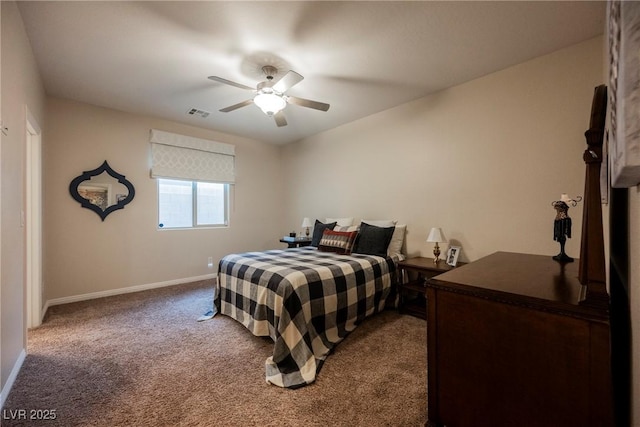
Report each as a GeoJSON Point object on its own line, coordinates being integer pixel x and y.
{"type": "Point", "coordinates": [306, 300]}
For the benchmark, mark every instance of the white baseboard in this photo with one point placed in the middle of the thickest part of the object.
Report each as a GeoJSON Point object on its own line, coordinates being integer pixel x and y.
{"type": "Point", "coordinates": [12, 378]}
{"type": "Point", "coordinates": [120, 291]}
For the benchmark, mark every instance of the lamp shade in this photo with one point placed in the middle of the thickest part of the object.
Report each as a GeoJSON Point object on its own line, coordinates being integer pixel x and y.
{"type": "Point", "coordinates": [306, 223]}
{"type": "Point", "coordinates": [436, 236]}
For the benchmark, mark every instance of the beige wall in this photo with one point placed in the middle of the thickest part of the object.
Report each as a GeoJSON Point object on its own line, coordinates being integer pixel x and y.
{"type": "Point", "coordinates": [21, 89]}
{"type": "Point", "coordinates": [483, 160]}
{"type": "Point", "coordinates": [84, 255]}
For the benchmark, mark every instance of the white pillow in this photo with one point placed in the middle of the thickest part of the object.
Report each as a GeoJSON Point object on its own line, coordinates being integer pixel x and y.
{"type": "Point", "coordinates": [348, 228]}
{"type": "Point", "coordinates": [380, 222]}
{"type": "Point", "coordinates": [397, 239]}
{"type": "Point", "coordinates": [342, 222]}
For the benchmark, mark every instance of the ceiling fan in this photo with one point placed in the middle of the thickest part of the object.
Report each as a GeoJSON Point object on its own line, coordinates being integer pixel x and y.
{"type": "Point", "coordinates": [270, 96]}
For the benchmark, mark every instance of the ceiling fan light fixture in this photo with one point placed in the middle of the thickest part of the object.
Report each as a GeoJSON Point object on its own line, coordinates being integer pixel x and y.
{"type": "Point", "coordinates": [270, 96]}
{"type": "Point", "coordinates": [270, 103]}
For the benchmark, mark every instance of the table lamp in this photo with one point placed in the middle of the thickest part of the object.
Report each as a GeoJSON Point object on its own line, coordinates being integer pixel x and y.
{"type": "Point", "coordinates": [306, 224]}
{"type": "Point", "coordinates": [436, 236]}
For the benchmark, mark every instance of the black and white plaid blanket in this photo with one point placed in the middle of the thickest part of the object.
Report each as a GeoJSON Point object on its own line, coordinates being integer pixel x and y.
{"type": "Point", "coordinates": [306, 300]}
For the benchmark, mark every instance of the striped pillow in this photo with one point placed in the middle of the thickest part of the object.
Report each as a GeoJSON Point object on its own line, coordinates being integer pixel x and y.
{"type": "Point", "coordinates": [337, 241]}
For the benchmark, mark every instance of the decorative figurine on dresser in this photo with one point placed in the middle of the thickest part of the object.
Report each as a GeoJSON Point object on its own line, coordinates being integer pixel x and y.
{"type": "Point", "coordinates": [562, 224]}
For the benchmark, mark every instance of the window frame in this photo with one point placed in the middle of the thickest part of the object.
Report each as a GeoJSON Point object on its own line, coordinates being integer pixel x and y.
{"type": "Point", "coordinates": [194, 205]}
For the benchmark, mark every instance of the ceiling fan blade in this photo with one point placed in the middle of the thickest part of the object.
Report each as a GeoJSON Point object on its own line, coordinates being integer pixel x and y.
{"type": "Point", "coordinates": [287, 81]}
{"type": "Point", "coordinates": [280, 120]}
{"type": "Point", "coordinates": [308, 103]}
{"type": "Point", "coordinates": [236, 106]}
{"type": "Point", "coordinates": [229, 82]}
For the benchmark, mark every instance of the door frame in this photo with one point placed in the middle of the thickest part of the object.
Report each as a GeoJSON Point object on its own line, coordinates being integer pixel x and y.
{"type": "Point", "coordinates": [33, 222]}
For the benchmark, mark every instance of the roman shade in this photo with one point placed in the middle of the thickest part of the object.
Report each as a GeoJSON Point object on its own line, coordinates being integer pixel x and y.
{"type": "Point", "coordinates": [186, 157]}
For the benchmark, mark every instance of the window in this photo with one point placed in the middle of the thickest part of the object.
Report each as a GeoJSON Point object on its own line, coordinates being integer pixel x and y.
{"type": "Point", "coordinates": [191, 204]}
{"type": "Point", "coordinates": [194, 176]}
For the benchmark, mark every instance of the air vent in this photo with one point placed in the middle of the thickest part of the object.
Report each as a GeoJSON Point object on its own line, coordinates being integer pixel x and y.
{"type": "Point", "coordinates": [198, 112]}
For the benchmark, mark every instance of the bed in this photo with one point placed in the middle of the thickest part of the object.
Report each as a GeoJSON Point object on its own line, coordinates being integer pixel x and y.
{"type": "Point", "coordinates": [306, 300]}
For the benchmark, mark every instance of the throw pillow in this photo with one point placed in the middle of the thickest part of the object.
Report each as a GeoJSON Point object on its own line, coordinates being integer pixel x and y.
{"type": "Point", "coordinates": [373, 240]}
{"type": "Point", "coordinates": [381, 222]}
{"type": "Point", "coordinates": [342, 222]}
{"type": "Point", "coordinates": [318, 229]}
{"type": "Point", "coordinates": [397, 239]}
{"type": "Point", "coordinates": [346, 228]}
{"type": "Point", "coordinates": [337, 241]}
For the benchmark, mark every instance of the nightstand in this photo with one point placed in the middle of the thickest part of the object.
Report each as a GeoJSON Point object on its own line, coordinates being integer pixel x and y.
{"type": "Point", "coordinates": [413, 274]}
{"type": "Point", "coordinates": [296, 242]}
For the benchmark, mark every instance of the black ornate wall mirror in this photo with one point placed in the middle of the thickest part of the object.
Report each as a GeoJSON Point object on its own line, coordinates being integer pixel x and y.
{"type": "Point", "coordinates": [102, 190]}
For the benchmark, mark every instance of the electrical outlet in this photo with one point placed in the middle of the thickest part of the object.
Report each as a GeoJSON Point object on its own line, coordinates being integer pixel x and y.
{"type": "Point", "coordinates": [210, 262]}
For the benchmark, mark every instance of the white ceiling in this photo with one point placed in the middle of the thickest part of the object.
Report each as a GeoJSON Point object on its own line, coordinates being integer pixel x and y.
{"type": "Point", "coordinates": [153, 58]}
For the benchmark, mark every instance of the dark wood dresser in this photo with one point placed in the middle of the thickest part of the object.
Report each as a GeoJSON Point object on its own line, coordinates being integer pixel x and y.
{"type": "Point", "coordinates": [509, 344]}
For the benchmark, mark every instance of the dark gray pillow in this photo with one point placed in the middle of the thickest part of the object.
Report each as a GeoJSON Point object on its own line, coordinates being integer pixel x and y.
{"type": "Point", "coordinates": [373, 240]}
{"type": "Point", "coordinates": [318, 229]}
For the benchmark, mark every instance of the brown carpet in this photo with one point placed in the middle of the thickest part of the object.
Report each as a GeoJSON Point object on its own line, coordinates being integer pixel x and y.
{"type": "Point", "coordinates": [142, 360]}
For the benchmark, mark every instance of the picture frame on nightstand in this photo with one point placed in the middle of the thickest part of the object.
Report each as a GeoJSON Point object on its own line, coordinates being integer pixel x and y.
{"type": "Point", "coordinates": [452, 255]}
